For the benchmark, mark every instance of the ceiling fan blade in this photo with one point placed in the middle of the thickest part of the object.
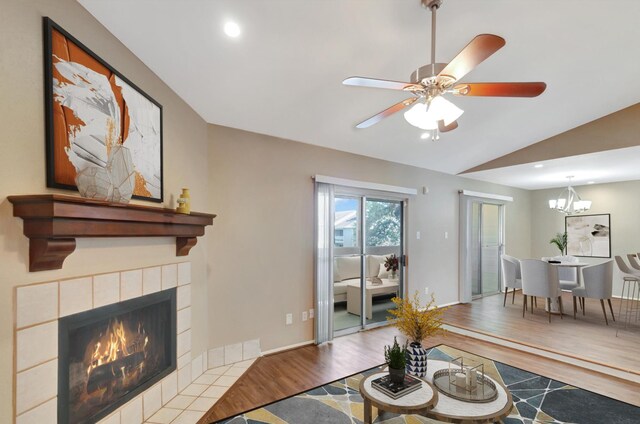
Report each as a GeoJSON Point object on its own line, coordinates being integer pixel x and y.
{"type": "Point", "coordinates": [377, 83]}
{"type": "Point", "coordinates": [500, 89]}
{"type": "Point", "coordinates": [387, 112]}
{"type": "Point", "coordinates": [444, 128]}
{"type": "Point", "coordinates": [474, 53]}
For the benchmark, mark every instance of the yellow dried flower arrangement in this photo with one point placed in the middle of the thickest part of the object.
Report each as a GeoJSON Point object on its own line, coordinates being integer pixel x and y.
{"type": "Point", "coordinates": [415, 321]}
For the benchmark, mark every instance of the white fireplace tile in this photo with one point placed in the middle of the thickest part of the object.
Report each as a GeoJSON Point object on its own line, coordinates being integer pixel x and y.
{"type": "Point", "coordinates": [215, 392]}
{"type": "Point", "coordinates": [206, 379]}
{"type": "Point", "coordinates": [225, 381]}
{"type": "Point", "coordinates": [196, 367]}
{"type": "Point", "coordinates": [37, 303]}
{"type": "Point", "coordinates": [188, 417]}
{"type": "Point", "coordinates": [184, 297]}
{"type": "Point", "coordinates": [169, 387]}
{"type": "Point", "coordinates": [36, 385]}
{"type": "Point", "coordinates": [181, 402]}
{"type": "Point", "coordinates": [202, 404]}
{"type": "Point", "coordinates": [184, 360]}
{"type": "Point", "coordinates": [45, 413]}
{"type": "Point", "coordinates": [151, 280]}
{"type": "Point", "coordinates": [131, 413]}
{"type": "Point", "coordinates": [130, 284]}
{"type": "Point", "coordinates": [235, 371]}
{"type": "Point", "coordinates": [169, 276]}
{"type": "Point", "coordinates": [183, 320]}
{"type": "Point", "coordinates": [165, 416]}
{"type": "Point", "coordinates": [194, 389]}
{"type": "Point", "coordinates": [216, 357]}
{"type": "Point", "coordinates": [106, 289]}
{"type": "Point", "coordinates": [111, 419]}
{"type": "Point", "coordinates": [184, 342]}
{"type": "Point", "coordinates": [244, 364]}
{"type": "Point", "coordinates": [36, 345]}
{"type": "Point", "coordinates": [75, 296]}
{"type": "Point", "coordinates": [232, 353]}
{"type": "Point", "coordinates": [218, 370]}
{"type": "Point", "coordinates": [152, 401]}
{"type": "Point", "coordinates": [184, 378]}
{"type": "Point", "coordinates": [184, 273]}
{"type": "Point", "coordinates": [251, 349]}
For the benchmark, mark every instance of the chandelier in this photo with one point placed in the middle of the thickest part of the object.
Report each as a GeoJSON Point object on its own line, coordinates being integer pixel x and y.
{"type": "Point", "coordinates": [569, 202]}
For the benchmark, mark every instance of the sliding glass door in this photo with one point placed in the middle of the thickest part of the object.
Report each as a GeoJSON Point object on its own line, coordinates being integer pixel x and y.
{"type": "Point", "coordinates": [486, 248]}
{"type": "Point", "coordinates": [368, 238]}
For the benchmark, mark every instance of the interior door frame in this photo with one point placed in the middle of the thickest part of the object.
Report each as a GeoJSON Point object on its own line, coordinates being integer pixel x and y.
{"type": "Point", "coordinates": [467, 198]}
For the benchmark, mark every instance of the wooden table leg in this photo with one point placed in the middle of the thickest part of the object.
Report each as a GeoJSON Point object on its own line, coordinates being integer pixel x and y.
{"type": "Point", "coordinates": [367, 411]}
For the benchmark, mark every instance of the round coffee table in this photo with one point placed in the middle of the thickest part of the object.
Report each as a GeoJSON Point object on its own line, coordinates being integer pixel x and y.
{"type": "Point", "coordinates": [457, 411]}
{"type": "Point", "coordinates": [417, 402]}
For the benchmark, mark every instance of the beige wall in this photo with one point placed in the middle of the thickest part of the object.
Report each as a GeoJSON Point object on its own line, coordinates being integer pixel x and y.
{"type": "Point", "coordinates": [621, 200]}
{"type": "Point", "coordinates": [262, 250]}
{"type": "Point", "coordinates": [22, 164]}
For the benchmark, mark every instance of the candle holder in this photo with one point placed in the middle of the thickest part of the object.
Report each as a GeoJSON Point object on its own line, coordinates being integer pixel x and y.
{"type": "Point", "coordinates": [464, 382]}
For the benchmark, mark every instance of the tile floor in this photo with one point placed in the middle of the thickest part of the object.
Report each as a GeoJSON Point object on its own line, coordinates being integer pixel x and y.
{"type": "Point", "coordinates": [196, 399]}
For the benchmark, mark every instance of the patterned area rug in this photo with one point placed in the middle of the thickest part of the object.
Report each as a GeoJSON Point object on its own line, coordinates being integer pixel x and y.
{"type": "Point", "coordinates": [536, 399]}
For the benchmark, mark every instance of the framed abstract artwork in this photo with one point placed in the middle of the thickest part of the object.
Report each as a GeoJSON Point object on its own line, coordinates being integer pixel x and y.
{"type": "Point", "coordinates": [93, 111]}
{"type": "Point", "coordinates": [589, 235]}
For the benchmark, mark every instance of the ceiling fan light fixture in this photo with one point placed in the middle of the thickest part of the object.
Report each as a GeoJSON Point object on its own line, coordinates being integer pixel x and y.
{"type": "Point", "coordinates": [419, 116]}
{"type": "Point", "coordinates": [426, 116]}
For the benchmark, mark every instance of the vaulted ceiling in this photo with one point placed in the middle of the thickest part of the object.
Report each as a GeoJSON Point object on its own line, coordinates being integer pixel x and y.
{"type": "Point", "coordinates": [283, 75]}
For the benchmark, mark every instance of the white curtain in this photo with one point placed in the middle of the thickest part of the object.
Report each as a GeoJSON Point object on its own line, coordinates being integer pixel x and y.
{"type": "Point", "coordinates": [324, 262]}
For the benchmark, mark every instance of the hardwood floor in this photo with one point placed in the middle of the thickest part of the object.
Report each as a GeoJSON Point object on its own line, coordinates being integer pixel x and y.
{"type": "Point", "coordinates": [285, 374]}
{"type": "Point", "coordinates": [586, 337]}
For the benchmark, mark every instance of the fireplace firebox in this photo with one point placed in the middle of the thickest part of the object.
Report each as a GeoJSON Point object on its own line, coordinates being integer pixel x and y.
{"type": "Point", "coordinates": [110, 354]}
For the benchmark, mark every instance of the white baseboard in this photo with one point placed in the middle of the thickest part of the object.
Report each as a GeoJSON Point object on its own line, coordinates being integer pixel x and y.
{"type": "Point", "coordinates": [293, 346]}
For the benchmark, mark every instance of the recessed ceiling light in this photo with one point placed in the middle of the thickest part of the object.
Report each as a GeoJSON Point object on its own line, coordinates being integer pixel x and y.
{"type": "Point", "coordinates": [591, 182]}
{"type": "Point", "coordinates": [538, 165]}
{"type": "Point", "coordinates": [232, 29]}
{"type": "Point", "coordinates": [425, 135]}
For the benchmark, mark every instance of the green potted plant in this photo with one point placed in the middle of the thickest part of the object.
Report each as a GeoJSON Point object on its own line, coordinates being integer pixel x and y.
{"type": "Point", "coordinates": [417, 322]}
{"type": "Point", "coordinates": [396, 358]}
{"type": "Point", "coordinates": [560, 241]}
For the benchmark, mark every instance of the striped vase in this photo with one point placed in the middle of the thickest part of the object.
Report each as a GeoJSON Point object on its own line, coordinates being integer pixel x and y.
{"type": "Point", "coordinates": [416, 360]}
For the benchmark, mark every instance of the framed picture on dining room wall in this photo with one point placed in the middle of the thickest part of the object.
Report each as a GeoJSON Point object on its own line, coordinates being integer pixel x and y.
{"type": "Point", "coordinates": [589, 235]}
{"type": "Point", "coordinates": [90, 109]}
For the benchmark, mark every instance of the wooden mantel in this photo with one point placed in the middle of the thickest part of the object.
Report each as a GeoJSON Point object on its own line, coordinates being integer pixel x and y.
{"type": "Point", "coordinates": [52, 222]}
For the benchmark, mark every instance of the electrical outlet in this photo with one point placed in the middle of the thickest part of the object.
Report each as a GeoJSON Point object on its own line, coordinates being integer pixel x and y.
{"type": "Point", "coordinates": [426, 291]}
{"type": "Point", "coordinates": [304, 315]}
{"type": "Point", "coordinates": [311, 313]}
{"type": "Point", "coordinates": [417, 235]}
{"type": "Point", "coordinates": [446, 234]}
{"type": "Point", "coordinates": [289, 319]}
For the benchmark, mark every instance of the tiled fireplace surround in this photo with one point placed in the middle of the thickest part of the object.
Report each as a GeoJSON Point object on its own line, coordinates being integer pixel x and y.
{"type": "Point", "coordinates": [180, 398]}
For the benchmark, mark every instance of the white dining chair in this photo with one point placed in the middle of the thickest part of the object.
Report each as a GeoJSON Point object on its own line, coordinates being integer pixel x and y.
{"type": "Point", "coordinates": [540, 279]}
{"type": "Point", "coordinates": [511, 276]}
{"type": "Point", "coordinates": [597, 283]}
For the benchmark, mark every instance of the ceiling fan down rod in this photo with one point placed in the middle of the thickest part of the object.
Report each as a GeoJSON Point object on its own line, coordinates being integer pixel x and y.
{"type": "Point", "coordinates": [433, 6]}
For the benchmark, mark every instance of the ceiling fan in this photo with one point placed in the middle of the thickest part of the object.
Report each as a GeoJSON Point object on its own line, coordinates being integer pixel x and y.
{"type": "Point", "coordinates": [431, 111]}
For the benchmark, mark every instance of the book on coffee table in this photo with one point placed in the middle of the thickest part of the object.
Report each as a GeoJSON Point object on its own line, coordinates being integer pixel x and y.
{"type": "Point", "coordinates": [394, 390]}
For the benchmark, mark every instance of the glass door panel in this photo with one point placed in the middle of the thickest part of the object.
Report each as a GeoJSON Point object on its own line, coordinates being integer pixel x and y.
{"type": "Point", "coordinates": [490, 249]}
{"type": "Point", "coordinates": [383, 238]}
{"type": "Point", "coordinates": [347, 264]}
{"type": "Point", "coordinates": [475, 252]}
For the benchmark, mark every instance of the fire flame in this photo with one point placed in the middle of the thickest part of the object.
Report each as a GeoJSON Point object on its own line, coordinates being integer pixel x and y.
{"type": "Point", "coordinates": [115, 348]}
